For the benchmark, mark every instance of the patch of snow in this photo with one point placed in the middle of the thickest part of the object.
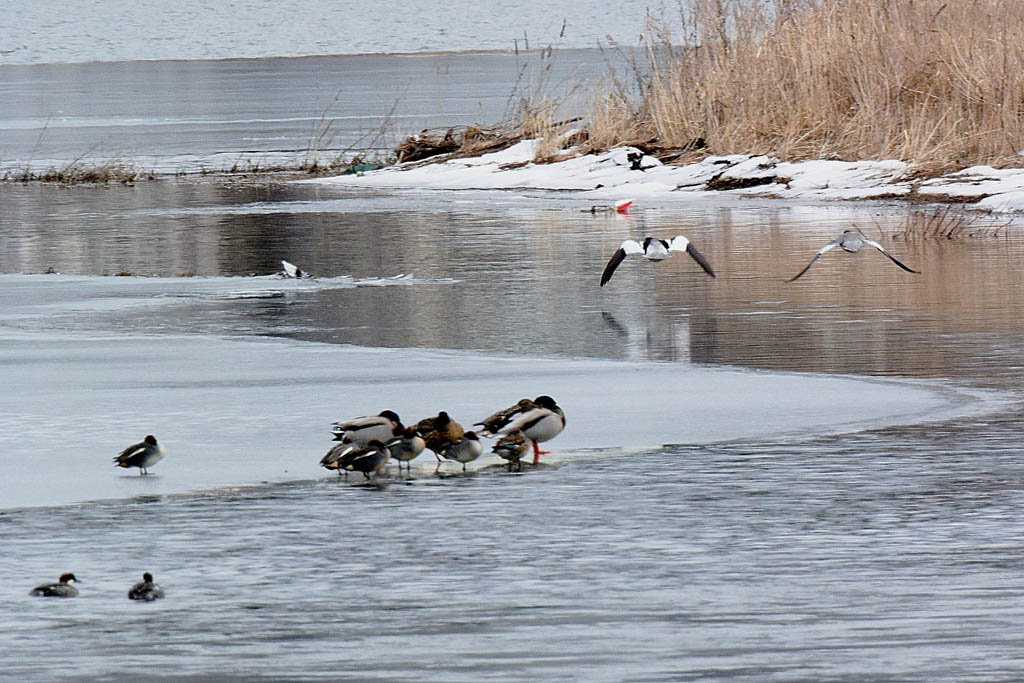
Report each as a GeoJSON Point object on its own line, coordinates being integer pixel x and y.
{"type": "Point", "coordinates": [1006, 202]}
{"type": "Point", "coordinates": [611, 175]}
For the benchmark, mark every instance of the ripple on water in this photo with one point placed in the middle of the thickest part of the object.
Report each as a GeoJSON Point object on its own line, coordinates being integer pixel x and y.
{"type": "Point", "coordinates": [733, 561]}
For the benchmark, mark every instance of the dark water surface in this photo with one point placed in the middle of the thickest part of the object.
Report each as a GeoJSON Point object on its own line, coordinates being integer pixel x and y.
{"type": "Point", "coordinates": [891, 554]}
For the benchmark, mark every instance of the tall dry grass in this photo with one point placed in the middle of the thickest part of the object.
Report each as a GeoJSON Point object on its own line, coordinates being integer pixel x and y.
{"type": "Point", "coordinates": [936, 82]}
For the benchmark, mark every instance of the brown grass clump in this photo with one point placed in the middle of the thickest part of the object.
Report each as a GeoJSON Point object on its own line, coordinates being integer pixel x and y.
{"type": "Point", "coordinates": [939, 83]}
{"type": "Point", "coordinates": [77, 172]}
{"type": "Point", "coordinates": [451, 143]}
{"type": "Point", "coordinates": [947, 222]}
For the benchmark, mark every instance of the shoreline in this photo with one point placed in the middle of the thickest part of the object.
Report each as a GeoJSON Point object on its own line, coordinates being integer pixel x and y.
{"type": "Point", "coordinates": [612, 175]}
{"type": "Point", "coordinates": [620, 173]}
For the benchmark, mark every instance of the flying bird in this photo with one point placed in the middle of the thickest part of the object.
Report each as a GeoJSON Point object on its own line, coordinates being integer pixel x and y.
{"type": "Point", "coordinates": [654, 249]}
{"type": "Point", "coordinates": [144, 454]}
{"type": "Point", "coordinates": [851, 241]}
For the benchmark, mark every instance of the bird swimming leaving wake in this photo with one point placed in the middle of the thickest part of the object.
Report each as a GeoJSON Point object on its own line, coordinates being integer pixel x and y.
{"type": "Point", "coordinates": [292, 270]}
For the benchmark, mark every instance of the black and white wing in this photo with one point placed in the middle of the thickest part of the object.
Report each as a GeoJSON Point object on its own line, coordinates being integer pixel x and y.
{"type": "Point", "coordinates": [628, 247]}
{"type": "Point", "coordinates": [828, 247]}
{"type": "Point", "coordinates": [892, 258]}
{"type": "Point", "coordinates": [680, 243]}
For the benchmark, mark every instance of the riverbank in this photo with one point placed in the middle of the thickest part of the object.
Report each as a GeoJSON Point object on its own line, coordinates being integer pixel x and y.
{"type": "Point", "coordinates": [628, 172]}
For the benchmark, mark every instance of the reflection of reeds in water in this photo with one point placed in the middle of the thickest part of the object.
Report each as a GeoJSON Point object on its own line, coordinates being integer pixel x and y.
{"type": "Point", "coordinates": [947, 222]}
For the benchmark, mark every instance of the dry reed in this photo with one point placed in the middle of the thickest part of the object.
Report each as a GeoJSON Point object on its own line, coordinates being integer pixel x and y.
{"type": "Point", "coordinates": [939, 83]}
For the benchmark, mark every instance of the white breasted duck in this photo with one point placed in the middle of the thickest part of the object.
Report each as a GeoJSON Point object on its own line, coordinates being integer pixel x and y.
{"type": "Point", "coordinates": [405, 447]}
{"type": "Point", "coordinates": [654, 249]}
{"type": "Point", "coordinates": [512, 447]}
{"type": "Point", "coordinates": [63, 588]}
{"type": "Point", "coordinates": [362, 430]}
{"type": "Point", "coordinates": [542, 423]}
{"type": "Point", "coordinates": [464, 449]}
{"type": "Point", "coordinates": [146, 589]}
{"type": "Point", "coordinates": [851, 241]}
{"type": "Point", "coordinates": [143, 455]}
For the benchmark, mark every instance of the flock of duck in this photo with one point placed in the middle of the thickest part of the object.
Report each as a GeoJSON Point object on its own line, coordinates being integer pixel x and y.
{"type": "Point", "coordinates": [64, 587]}
{"type": "Point", "coordinates": [368, 443]}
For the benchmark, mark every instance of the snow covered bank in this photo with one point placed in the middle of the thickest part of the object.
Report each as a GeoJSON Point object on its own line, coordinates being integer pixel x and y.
{"type": "Point", "coordinates": [615, 174]}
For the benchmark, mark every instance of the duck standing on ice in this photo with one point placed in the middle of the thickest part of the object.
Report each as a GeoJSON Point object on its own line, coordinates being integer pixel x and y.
{"type": "Point", "coordinates": [464, 449]}
{"type": "Point", "coordinates": [405, 447]}
{"type": "Point", "coordinates": [362, 430]}
{"type": "Point", "coordinates": [512, 447]}
{"type": "Point", "coordinates": [539, 420]}
{"type": "Point", "coordinates": [438, 432]}
{"type": "Point", "coordinates": [144, 454]}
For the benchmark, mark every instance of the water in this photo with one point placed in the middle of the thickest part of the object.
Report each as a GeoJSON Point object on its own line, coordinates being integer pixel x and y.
{"type": "Point", "coordinates": [883, 548]}
{"type": "Point", "coordinates": [809, 481]}
{"type": "Point", "coordinates": [119, 30]}
{"type": "Point", "coordinates": [244, 114]}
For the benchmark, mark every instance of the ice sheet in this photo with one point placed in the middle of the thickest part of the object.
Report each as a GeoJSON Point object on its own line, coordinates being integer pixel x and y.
{"type": "Point", "coordinates": [234, 412]}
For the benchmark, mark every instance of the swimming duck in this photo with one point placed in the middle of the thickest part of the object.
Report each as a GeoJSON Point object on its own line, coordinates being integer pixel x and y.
{"type": "Point", "coordinates": [362, 430]}
{"type": "Point", "coordinates": [542, 423]}
{"type": "Point", "coordinates": [405, 447]}
{"type": "Point", "coordinates": [63, 588]}
{"type": "Point", "coordinates": [144, 454]}
{"type": "Point", "coordinates": [439, 431]}
{"type": "Point", "coordinates": [512, 447]}
{"type": "Point", "coordinates": [146, 589]}
{"type": "Point", "coordinates": [621, 206]}
{"type": "Point", "coordinates": [291, 270]}
{"type": "Point", "coordinates": [464, 449]}
{"type": "Point", "coordinates": [654, 249]}
{"type": "Point", "coordinates": [851, 241]}
{"type": "Point", "coordinates": [370, 459]}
